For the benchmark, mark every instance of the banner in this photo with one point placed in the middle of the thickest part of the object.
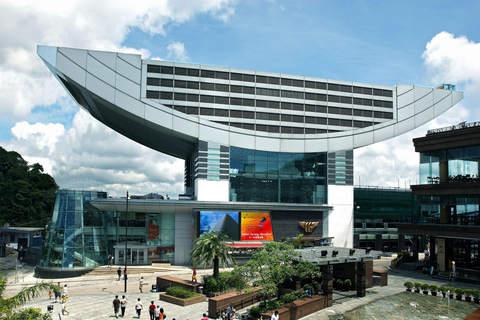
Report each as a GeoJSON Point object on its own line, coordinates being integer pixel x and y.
{"type": "Point", "coordinates": [256, 226]}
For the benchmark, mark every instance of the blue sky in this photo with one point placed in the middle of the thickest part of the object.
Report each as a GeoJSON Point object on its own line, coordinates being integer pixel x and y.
{"type": "Point", "coordinates": [379, 42]}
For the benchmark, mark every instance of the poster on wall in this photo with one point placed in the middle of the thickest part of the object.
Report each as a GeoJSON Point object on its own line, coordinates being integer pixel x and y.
{"type": "Point", "coordinates": [224, 222]}
{"type": "Point", "coordinates": [256, 226]}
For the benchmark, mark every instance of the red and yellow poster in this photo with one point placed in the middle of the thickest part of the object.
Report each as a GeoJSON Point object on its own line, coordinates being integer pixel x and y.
{"type": "Point", "coordinates": [256, 226]}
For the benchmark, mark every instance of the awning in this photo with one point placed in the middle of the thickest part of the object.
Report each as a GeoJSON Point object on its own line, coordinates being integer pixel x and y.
{"type": "Point", "coordinates": [244, 245]}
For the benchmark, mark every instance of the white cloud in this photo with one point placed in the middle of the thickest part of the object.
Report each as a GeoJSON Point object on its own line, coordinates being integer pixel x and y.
{"type": "Point", "coordinates": [177, 51]}
{"type": "Point", "coordinates": [92, 156]}
{"type": "Point", "coordinates": [93, 24]}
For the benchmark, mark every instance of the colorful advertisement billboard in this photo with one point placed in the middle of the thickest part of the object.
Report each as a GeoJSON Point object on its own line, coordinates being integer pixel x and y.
{"type": "Point", "coordinates": [256, 226]}
{"type": "Point", "coordinates": [225, 222]}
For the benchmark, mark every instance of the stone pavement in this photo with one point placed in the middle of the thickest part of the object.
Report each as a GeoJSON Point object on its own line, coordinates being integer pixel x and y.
{"type": "Point", "coordinates": [90, 297]}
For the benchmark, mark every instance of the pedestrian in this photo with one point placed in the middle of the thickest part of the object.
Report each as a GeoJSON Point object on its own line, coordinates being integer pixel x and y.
{"type": "Point", "coordinates": [123, 305]}
{"type": "Point", "coordinates": [157, 313]}
{"type": "Point", "coordinates": [50, 294]}
{"type": "Point", "coordinates": [453, 272]}
{"type": "Point", "coordinates": [116, 306]}
{"type": "Point", "coordinates": [138, 308]}
{"type": "Point", "coordinates": [151, 311]}
{"type": "Point", "coordinates": [65, 290]}
{"type": "Point", "coordinates": [275, 316]}
{"type": "Point", "coordinates": [110, 260]}
{"type": "Point", "coordinates": [140, 284]}
{"type": "Point", "coordinates": [119, 272]}
{"type": "Point", "coordinates": [204, 317]}
{"type": "Point", "coordinates": [194, 276]}
{"type": "Point", "coordinates": [125, 274]}
{"type": "Point", "coordinates": [163, 316]}
{"type": "Point", "coordinates": [58, 292]}
{"type": "Point", "coordinates": [64, 305]}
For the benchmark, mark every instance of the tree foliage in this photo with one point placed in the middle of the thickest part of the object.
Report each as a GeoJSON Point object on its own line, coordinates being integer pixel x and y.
{"type": "Point", "coordinates": [27, 195]}
{"type": "Point", "coordinates": [211, 248]}
{"type": "Point", "coordinates": [9, 306]}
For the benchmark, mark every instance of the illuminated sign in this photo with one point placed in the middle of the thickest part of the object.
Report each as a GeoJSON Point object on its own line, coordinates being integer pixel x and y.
{"type": "Point", "coordinates": [256, 226]}
{"type": "Point", "coordinates": [224, 222]}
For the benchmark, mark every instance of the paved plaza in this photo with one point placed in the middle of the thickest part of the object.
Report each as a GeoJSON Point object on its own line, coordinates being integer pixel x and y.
{"type": "Point", "coordinates": [90, 297]}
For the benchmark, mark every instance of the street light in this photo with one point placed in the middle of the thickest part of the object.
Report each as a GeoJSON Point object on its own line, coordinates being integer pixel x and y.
{"type": "Point", "coordinates": [126, 240]}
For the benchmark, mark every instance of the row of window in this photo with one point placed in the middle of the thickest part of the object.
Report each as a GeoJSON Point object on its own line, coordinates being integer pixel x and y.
{"type": "Point", "coordinates": [178, 96]}
{"type": "Point", "coordinates": [283, 117]}
{"type": "Point", "coordinates": [267, 80]}
{"type": "Point", "coordinates": [272, 117]}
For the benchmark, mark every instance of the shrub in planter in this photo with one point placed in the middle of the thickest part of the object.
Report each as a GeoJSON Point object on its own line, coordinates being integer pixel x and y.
{"type": "Point", "coordinates": [468, 295]}
{"type": "Point", "coordinates": [255, 312]}
{"type": "Point", "coordinates": [433, 289]}
{"type": "Point", "coordinates": [292, 296]}
{"type": "Point", "coordinates": [408, 285]}
{"type": "Point", "coordinates": [425, 287]}
{"type": "Point", "coordinates": [347, 284]}
{"type": "Point", "coordinates": [417, 286]}
{"type": "Point", "coordinates": [452, 291]}
{"type": "Point", "coordinates": [459, 293]}
{"type": "Point", "coordinates": [315, 286]}
{"type": "Point", "coordinates": [476, 295]}
{"type": "Point", "coordinates": [339, 283]}
{"type": "Point", "coordinates": [443, 290]}
{"type": "Point", "coordinates": [180, 292]}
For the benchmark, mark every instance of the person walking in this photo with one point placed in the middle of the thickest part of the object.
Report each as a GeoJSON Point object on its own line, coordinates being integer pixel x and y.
{"type": "Point", "coordinates": [123, 305]}
{"type": "Point", "coordinates": [119, 272]}
{"type": "Point", "coordinates": [204, 317]}
{"type": "Point", "coordinates": [157, 313]}
{"type": "Point", "coordinates": [58, 292]}
{"type": "Point", "coordinates": [140, 284]}
{"type": "Point", "coordinates": [138, 308]}
{"type": "Point", "coordinates": [151, 310]}
{"type": "Point", "coordinates": [163, 316]}
{"type": "Point", "coordinates": [64, 305]}
{"type": "Point", "coordinates": [65, 290]}
{"type": "Point", "coordinates": [110, 260]}
{"type": "Point", "coordinates": [275, 316]}
{"type": "Point", "coordinates": [125, 274]}
{"type": "Point", "coordinates": [116, 306]}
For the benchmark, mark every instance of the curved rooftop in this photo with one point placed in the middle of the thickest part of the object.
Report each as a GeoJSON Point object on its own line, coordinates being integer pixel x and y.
{"type": "Point", "coordinates": [170, 106]}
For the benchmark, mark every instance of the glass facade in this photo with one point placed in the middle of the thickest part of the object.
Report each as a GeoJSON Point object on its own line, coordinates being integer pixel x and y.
{"type": "Point", "coordinates": [81, 236]}
{"type": "Point", "coordinates": [261, 176]}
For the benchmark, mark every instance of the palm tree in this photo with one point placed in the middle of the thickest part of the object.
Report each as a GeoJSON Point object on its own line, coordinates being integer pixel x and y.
{"type": "Point", "coordinates": [8, 305]}
{"type": "Point", "coordinates": [211, 247]}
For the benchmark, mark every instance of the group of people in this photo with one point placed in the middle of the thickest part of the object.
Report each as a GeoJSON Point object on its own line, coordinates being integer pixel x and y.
{"type": "Point", "coordinates": [121, 305]}
{"type": "Point", "coordinates": [61, 294]}
{"type": "Point", "coordinates": [228, 314]}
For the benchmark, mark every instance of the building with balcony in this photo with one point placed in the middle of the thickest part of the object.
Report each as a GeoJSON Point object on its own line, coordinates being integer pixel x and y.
{"type": "Point", "coordinates": [253, 142]}
{"type": "Point", "coordinates": [449, 195]}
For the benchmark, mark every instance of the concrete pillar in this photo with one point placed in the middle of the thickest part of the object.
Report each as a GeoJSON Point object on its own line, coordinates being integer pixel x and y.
{"type": "Point", "coordinates": [327, 284]}
{"type": "Point", "coordinates": [361, 279]}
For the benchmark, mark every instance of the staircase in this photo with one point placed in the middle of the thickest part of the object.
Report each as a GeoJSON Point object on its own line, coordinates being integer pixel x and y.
{"type": "Point", "coordinates": [131, 270]}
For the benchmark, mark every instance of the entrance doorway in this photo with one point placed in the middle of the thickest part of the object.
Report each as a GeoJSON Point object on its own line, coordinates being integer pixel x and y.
{"type": "Point", "coordinates": [136, 254]}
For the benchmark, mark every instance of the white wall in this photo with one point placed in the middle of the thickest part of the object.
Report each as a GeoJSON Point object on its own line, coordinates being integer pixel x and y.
{"type": "Point", "coordinates": [183, 238]}
{"type": "Point", "coordinates": [340, 219]}
{"type": "Point", "coordinates": [212, 190]}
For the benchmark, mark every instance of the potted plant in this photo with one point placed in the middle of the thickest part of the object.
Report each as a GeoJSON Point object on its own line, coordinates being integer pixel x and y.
{"type": "Point", "coordinates": [425, 287]}
{"type": "Point", "coordinates": [408, 285]}
{"type": "Point", "coordinates": [433, 289]}
{"type": "Point", "coordinates": [417, 286]}
{"type": "Point", "coordinates": [348, 284]}
{"type": "Point", "coordinates": [468, 295]}
{"type": "Point", "coordinates": [443, 290]}
{"type": "Point", "coordinates": [452, 291]}
{"type": "Point", "coordinates": [476, 295]}
{"type": "Point", "coordinates": [459, 293]}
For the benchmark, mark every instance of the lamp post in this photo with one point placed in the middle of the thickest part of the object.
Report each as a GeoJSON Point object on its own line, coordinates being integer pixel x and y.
{"type": "Point", "coordinates": [126, 240]}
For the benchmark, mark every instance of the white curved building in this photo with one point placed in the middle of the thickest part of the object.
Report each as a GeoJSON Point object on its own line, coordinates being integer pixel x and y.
{"type": "Point", "coordinates": [248, 136]}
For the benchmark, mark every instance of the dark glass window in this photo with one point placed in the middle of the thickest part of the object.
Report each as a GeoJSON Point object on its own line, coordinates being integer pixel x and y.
{"type": "Point", "coordinates": [192, 110]}
{"type": "Point", "coordinates": [274, 104]}
{"type": "Point", "coordinates": [235, 113]}
{"type": "Point", "coordinates": [207, 74]}
{"type": "Point", "coordinates": [153, 81]}
{"type": "Point", "coordinates": [248, 126]}
{"type": "Point", "coordinates": [367, 91]}
{"type": "Point", "coordinates": [387, 104]}
{"type": "Point", "coordinates": [275, 129]}
{"type": "Point", "coordinates": [309, 131]}
{"type": "Point", "coordinates": [334, 110]}
{"type": "Point", "coordinates": [222, 75]}
{"type": "Point", "coordinates": [236, 76]}
{"type": "Point", "coordinates": [221, 87]}
{"type": "Point", "coordinates": [297, 83]}
{"type": "Point", "coordinates": [206, 111]}
{"type": "Point", "coordinates": [261, 115]}
{"type": "Point", "coordinates": [262, 79]}
{"type": "Point", "coordinates": [387, 93]}
{"type": "Point", "coordinates": [309, 84]}
{"type": "Point", "coordinates": [153, 68]}
{"type": "Point", "coordinates": [321, 109]}
{"type": "Point", "coordinates": [262, 127]}
{"type": "Point", "coordinates": [166, 83]}
{"type": "Point", "coordinates": [310, 108]}
{"type": "Point", "coordinates": [221, 113]}
{"type": "Point", "coordinates": [357, 112]}
{"type": "Point", "coordinates": [262, 103]}
{"type": "Point", "coordinates": [321, 85]}
{"type": "Point", "coordinates": [180, 71]}
{"type": "Point", "coordinates": [166, 70]}
{"type": "Point", "coordinates": [180, 84]}
{"type": "Point", "coordinates": [193, 72]}
{"type": "Point", "coordinates": [236, 101]}
{"type": "Point", "coordinates": [181, 109]}
{"type": "Point", "coordinates": [344, 88]}
{"type": "Point", "coordinates": [273, 116]}
{"type": "Point", "coordinates": [249, 90]}
{"type": "Point", "coordinates": [286, 105]}
{"type": "Point", "coordinates": [333, 122]}
{"type": "Point", "coordinates": [286, 129]}
{"type": "Point", "coordinates": [296, 130]}
{"type": "Point", "coordinates": [221, 100]}
{"type": "Point", "coordinates": [367, 102]}
{"type": "Point", "coordinates": [367, 113]}
{"type": "Point", "coordinates": [297, 119]}
{"type": "Point", "coordinates": [357, 90]}
{"type": "Point", "coordinates": [166, 95]}
{"type": "Point", "coordinates": [207, 86]}
{"type": "Point", "coordinates": [249, 114]}
{"type": "Point", "coordinates": [153, 94]}
{"type": "Point", "coordinates": [309, 120]}
{"type": "Point", "coordinates": [273, 80]}
{"type": "Point", "coordinates": [286, 82]}
{"type": "Point", "coordinates": [236, 89]}
{"type": "Point", "coordinates": [333, 98]}
{"type": "Point", "coordinates": [377, 92]}
{"type": "Point", "coordinates": [333, 87]}
{"type": "Point", "coordinates": [286, 117]}
{"type": "Point", "coordinates": [309, 96]}
{"type": "Point", "coordinates": [346, 100]}
{"type": "Point", "coordinates": [249, 102]}
{"type": "Point", "coordinates": [180, 96]}
{"type": "Point", "coordinates": [192, 85]}
{"type": "Point", "coordinates": [298, 106]}
{"type": "Point", "coordinates": [345, 111]}
{"type": "Point", "coordinates": [208, 99]}
{"type": "Point", "coordinates": [192, 97]}
{"type": "Point", "coordinates": [321, 120]}
{"type": "Point", "coordinates": [345, 123]}
{"type": "Point", "coordinates": [321, 97]}
{"type": "Point", "coordinates": [249, 77]}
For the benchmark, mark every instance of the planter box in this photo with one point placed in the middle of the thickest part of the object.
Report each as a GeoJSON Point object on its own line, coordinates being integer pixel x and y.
{"type": "Point", "coordinates": [182, 302]}
{"type": "Point", "coordinates": [237, 300]}
{"type": "Point", "coordinates": [216, 294]}
{"type": "Point", "coordinates": [298, 309]}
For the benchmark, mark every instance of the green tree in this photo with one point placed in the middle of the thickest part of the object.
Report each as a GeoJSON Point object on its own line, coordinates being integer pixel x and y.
{"type": "Point", "coordinates": [270, 266]}
{"type": "Point", "coordinates": [9, 306]}
{"type": "Point", "coordinates": [211, 248]}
